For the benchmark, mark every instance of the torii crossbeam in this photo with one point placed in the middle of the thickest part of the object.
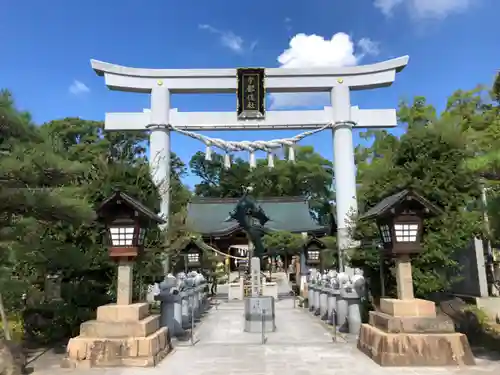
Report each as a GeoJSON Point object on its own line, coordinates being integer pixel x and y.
{"type": "Point", "coordinates": [161, 118]}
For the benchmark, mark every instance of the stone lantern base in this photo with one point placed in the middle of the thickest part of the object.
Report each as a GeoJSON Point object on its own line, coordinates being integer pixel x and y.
{"type": "Point", "coordinates": [122, 335]}
{"type": "Point", "coordinates": [408, 333]}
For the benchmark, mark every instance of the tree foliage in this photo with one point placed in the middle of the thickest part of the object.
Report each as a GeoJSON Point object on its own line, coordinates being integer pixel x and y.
{"type": "Point", "coordinates": [283, 242]}
{"type": "Point", "coordinates": [442, 157]}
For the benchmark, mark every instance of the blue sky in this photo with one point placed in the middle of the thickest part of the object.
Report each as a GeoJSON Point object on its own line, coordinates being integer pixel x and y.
{"type": "Point", "coordinates": [46, 47]}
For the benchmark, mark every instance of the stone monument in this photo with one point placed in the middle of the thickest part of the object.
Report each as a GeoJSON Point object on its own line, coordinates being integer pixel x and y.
{"type": "Point", "coordinates": [259, 310]}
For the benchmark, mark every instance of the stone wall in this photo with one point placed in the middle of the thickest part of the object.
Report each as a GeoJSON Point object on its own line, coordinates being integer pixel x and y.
{"type": "Point", "coordinates": [473, 271]}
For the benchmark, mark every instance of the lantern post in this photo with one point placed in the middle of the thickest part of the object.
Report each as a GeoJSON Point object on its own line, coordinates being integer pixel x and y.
{"type": "Point", "coordinates": [126, 221]}
{"type": "Point", "coordinates": [124, 324]}
{"type": "Point", "coordinates": [406, 331]}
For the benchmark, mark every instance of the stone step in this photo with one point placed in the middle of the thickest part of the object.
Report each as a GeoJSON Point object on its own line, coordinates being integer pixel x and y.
{"type": "Point", "coordinates": [141, 328]}
{"type": "Point", "coordinates": [122, 313]}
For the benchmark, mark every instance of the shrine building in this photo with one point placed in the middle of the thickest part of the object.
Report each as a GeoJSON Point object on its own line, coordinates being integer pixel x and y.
{"type": "Point", "coordinates": [210, 217]}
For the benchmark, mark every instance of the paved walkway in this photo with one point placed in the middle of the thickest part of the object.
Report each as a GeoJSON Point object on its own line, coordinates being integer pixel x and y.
{"type": "Point", "coordinates": [300, 346]}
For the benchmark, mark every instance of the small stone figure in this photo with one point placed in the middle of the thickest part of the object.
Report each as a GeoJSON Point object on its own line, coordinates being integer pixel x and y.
{"type": "Point", "coordinates": [169, 282]}
{"type": "Point", "coordinates": [324, 279]}
{"type": "Point", "coordinates": [358, 282]}
{"type": "Point", "coordinates": [181, 278]}
{"type": "Point", "coordinates": [318, 278]}
{"type": "Point", "coordinates": [342, 278]}
{"type": "Point", "coordinates": [312, 276]}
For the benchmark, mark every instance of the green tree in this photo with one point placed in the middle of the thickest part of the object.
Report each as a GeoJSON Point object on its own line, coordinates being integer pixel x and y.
{"type": "Point", "coordinates": [36, 189]}
{"type": "Point", "coordinates": [282, 242]}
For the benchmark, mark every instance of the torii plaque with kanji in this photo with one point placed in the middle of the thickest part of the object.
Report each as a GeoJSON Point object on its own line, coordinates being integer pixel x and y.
{"type": "Point", "coordinates": [251, 93]}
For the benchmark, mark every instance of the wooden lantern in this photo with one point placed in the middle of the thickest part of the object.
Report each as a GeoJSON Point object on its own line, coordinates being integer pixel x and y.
{"type": "Point", "coordinates": [400, 220]}
{"type": "Point", "coordinates": [126, 221]}
{"type": "Point", "coordinates": [313, 249]}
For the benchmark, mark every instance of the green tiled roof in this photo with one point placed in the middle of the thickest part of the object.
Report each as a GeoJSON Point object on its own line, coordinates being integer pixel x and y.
{"type": "Point", "coordinates": [210, 216]}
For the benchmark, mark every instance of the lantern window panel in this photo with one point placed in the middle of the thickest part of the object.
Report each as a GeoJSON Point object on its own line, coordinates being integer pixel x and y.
{"type": "Point", "coordinates": [406, 232]}
{"type": "Point", "coordinates": [142, 235]}
{"type": "Point", "coordinates": [386, 233]}
{"type": "Point", "coordinates": [193, 257]}
{"type": "Point", "coordinates": [313, 254]}
{"type": "Point", "coordinates": [122, 236]}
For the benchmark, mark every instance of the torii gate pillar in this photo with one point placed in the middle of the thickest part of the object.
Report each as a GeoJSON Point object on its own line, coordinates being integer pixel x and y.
{"type": "Point", "coordinates": [344, 167]}
{"type": "Point", "coordinates": [159, 146]}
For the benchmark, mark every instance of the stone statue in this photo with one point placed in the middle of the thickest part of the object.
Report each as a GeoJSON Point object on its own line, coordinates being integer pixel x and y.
{"type": "Point", "coordinates": [325, 279]}
{"type": "Point", "coordinates": [169, 282]}
{"type": "Point", "coordinates": [245, 210]}
{"type": "Point", "coordinates": [343, 279]}
{"type": "Point", "coordinates": [318, 278]}
{"type": "Point", "coordinates": [358, 281]}
{"type": "Point", "coordinates": [181, 280]}
{"type": "Point", "coordinates": [312, 275]}
{"type": "Point", "coordinates": [334, 281]}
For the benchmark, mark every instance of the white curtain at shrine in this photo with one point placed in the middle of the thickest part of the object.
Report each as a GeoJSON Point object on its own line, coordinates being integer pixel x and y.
{"type": "Point", "coordinates": [239, 251]}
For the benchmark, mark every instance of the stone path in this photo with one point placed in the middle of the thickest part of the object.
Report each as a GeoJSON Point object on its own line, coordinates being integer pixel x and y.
{"type": "Point", "coordinates": [300, 346]}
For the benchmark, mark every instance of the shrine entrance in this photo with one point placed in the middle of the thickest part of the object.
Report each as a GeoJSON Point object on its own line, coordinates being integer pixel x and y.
{"type": "Point", "coordinates": [251, 86]}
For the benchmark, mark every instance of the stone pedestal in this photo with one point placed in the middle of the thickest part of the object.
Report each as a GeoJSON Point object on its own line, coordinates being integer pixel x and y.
{"type": "Point", "coordinates": [310, 296]}
{"type": "Point", "coordinates": [332, 306]}
{"type": "Point", "coordinates": [317, 292]}
{"type": "Point", "coordinates": [342, 311]}
{"type": "Point", "coordinates": [270, 290]}
{"type": "Point", "coordinates": [122, 335]}
{"type": "Point", "coordinates": [408, 333]}
{"type": "Point", "coordinates": [323, 303]}
{"type": "Point", "coordinates": [236, 291]}
{"type": "Point", "coordinates": [256, 281]}
{"type": "Point", "coordinates": [351, 300]}
{"type": "Point", "coordinates": [260, 314]}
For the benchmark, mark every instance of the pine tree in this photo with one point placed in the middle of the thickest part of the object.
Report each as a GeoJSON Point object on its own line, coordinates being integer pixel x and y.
{"type": "Point", "coordinates": [34, 185]}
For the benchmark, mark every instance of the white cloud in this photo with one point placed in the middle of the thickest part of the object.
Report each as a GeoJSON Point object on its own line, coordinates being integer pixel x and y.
{"type": "Point", "coordinates": [307, 51]}
{"type": "Point", "coordinates": [368, 47]}
{"type": "Point", "coordinates": [78, 88]}
{"type": "Point", "coordinates": [229, 39]}
{"type": "Point", "coordinates": [424, 8]}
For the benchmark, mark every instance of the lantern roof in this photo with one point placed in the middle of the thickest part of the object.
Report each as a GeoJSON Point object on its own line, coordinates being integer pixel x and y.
{"type": "Point", "coordinates": [182, 244]}
{"type": "Point", "coordinates": [385, 206]}
{"type": "Point", "coordinates": [106, 207]}
{"type": "Point", "coordinates": [315, 241]}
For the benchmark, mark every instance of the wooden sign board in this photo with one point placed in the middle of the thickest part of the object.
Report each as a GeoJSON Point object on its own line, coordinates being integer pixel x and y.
{"type": "Point", "coordinates": [251, 93]}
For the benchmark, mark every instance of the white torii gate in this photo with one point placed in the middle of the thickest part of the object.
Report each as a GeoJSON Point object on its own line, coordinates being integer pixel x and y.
{"type": "Point", "coordinates": [160, 83]}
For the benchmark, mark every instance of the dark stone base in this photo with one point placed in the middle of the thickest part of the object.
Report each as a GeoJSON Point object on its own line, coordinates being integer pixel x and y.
{"type": "Point", "coordinates": [415, 349]}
